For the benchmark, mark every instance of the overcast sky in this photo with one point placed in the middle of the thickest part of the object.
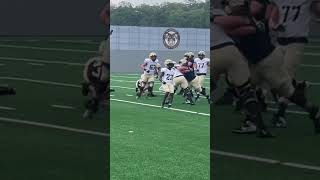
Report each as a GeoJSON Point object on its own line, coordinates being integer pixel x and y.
{"type": "Point", "coordinates": [138, 2]}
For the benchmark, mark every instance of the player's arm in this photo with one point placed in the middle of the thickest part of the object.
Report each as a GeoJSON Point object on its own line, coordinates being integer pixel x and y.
{"type": "Point", "coordinates": [242, 31]}
{"type": "Point", "coordinates": [315, 8]}
{"type": "Point", "coordinates": [104, 14]}
{"type": "Point", "coordinates": [273, 16]}
{"type": "Point", "coordinates": [230, 22]}
{"type": "Point", "coordinates": [143, 66]}
{"type": "Point", "coordinates": [161, 75]}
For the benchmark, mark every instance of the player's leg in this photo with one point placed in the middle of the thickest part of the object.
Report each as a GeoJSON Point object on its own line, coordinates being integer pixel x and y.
{"type": "Point", "coordinates": [144, 80]}
{"type": "Point", "coordinates": [230, 60]}
{"type": "Point", "coordinates": [150, 86]}
{"type": "Point", "coordinates": [292, 59]}
{"type": "Point", "coordinates": [279, 79]}
{"type": "Point", "coordinates": [171, 91]}
{"type": "Point", "coordinates": [167, 92]}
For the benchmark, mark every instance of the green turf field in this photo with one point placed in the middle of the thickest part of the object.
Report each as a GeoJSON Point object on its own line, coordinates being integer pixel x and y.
{"type": "Point", "coordinates": [292, 155]}
{"type": "Point", "coordinates": [43, 135]}
{"type": "Point", "coordinates": [148, 142]}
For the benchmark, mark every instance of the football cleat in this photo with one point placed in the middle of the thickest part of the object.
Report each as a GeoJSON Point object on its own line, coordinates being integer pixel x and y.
{"type": "Point", "coordinates": [279, 121]}
{"type": "Point", "coordinates": [87, 115]}
{"type": "Point", "coordinates": [246, 128]}
{"type": "Point", "coordinates": [264, 133]}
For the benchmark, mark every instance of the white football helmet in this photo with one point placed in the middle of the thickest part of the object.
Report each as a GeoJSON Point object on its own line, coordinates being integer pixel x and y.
{"type": "Point", "coordinates": [167, 61]}
{"type": "Point", "coordinates": [152, 54]}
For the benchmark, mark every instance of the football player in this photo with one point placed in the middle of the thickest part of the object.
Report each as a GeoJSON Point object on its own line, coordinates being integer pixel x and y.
{"type": "Point", "coordinates": [202, 64]}
{"type": "Point", "coordinates": [254, 41]}
{"type": "Point", "coordinates": [166, 78]}
{"type": "Point", "coordinates": [291, 19]}
{"type": "Point", "coordinates": [150, 68]}
{"type": "Point", "coordinates": [188, 68]}
{"type": "Point", "coordinates": [95, 86]}
{"type": "Point", "coordinates": [180, 81]}
{"type": "Point", "coordinates": [228, 60]}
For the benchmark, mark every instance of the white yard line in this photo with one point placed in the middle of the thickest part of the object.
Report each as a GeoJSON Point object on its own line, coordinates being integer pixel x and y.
{"type": "Point", "coordinates": [7, 108]}
{"type": "Point", "coordinates": [62, 106]}
{"type": "Point", "coordinates": [36, 64]}
{"type": "Point", "coordinates": [151, 105]}
{"type": "Point", "coordinates": [51, 126]}
{"type": "Point", "coordinates": [41, 61]}
{"type": "Point", "coordinates": [47, 49]}
{"type": "Point", "coordinates": [41, 82]}
{"type": "Point", "coordinates": [265, 160]}
{"type": "Point", "coordinates": [116, 80]}
{"type": "Point", "coordinates": [2, 64]}
{"type": "Point", "coordinates": [78, 86]}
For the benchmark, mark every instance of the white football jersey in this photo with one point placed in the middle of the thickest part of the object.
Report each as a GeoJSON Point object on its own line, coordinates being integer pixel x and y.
{"type": "Point", "coordinates": [202, 65]}
{"type": "Point", "coordinates": [217, 34]}
{"type": "Point", "coordinates": [295, 16]}
{"type": "Point", "coordinates": [151, 66]}
{"type": "Point", "coordinates": [168, 75]}
{"type": "Point", "coordinates": [176, 71]}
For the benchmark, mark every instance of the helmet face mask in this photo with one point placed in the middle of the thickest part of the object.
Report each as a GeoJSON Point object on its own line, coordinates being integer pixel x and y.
{"type": "Point", "coordinates": [153, 56]}
{"type": "Point", "coordinates": [201, 54]}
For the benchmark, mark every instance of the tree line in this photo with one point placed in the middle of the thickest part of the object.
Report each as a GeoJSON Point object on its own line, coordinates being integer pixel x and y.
{"type": "Point", "coordinates": [190, 14]}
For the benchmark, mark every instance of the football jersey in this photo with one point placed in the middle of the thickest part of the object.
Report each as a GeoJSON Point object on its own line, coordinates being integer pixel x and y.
{"type": "Point", "coordinates": [168, 75]}
{"type": "Point", "coordinates": [177, 72]}
{"type": "Point", "coordinates": [255, 47]}
{"type": "Point", "coordinates": [151, 66]}
{"type": "Point", "coordinates": [202, 65]}
{"type": "Point", "coordinates": [295, 16]}
{"type": "Point", "coordinates": [217, 34]}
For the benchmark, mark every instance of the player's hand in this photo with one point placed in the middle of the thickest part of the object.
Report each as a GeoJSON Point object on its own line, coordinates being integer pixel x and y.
{"type": "Point", "coordinates": [164, 82]}
{"type": "Point", "coordinates": [147, 71]}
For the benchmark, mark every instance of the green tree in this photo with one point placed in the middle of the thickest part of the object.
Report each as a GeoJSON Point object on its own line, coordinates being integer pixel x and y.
{"type": "Point", "coordinates": [191, 14]}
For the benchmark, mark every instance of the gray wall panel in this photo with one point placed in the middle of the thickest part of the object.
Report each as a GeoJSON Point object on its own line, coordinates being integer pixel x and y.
{"type": "Point", "coordinates": [128, 61]}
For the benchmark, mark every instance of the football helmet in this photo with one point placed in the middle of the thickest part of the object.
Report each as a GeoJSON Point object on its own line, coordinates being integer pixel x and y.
{"type": "Point", "coordinates": [152, 54]}
{"type": "Point", "coordinates": [201, 53]}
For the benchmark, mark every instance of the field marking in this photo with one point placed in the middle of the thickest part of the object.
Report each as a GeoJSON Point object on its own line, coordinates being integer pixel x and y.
{"type": "Point", "coordinates": [78, 86]}
{"type": "Point", "coordinates": [116, 80]}
{"type": "Point", "coordinates": [2, 64]}
{"type": "Point", "coordinates": [41, 82]}
{"type": "Point", "coordinates": [36, 64]}
{"type": "Point", "coordinates": [38, 124]}
{"type": "Point", "coordinates": [119, 76]}
{"type": "Point", "coordinates": [62, 106]}
{"type": "Point", "coordinates": [311, 54]}
{"type": "Point", "coordinates": [151, 105]}
{"type": "Point", "coordinates": [265, 160]}
{"type": "Point", "coordinates": [47, 49]}
{"type": "Point", "coordinates": [129, 95]}
{"type": "Point", "coordinates": [41, 61]}
{"type": "Point", "coordinates": [7, 108]}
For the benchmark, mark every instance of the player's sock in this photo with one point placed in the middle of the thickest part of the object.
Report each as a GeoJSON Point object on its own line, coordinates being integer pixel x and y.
{"type": "Point", "coordinates": [262, 99]}
{"type": "Point", "coordinates": [164, 99]}
{"type": "Point", "coordinates": [171, 99]}
{"type": "Point", "coordinates": [247, 95]}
